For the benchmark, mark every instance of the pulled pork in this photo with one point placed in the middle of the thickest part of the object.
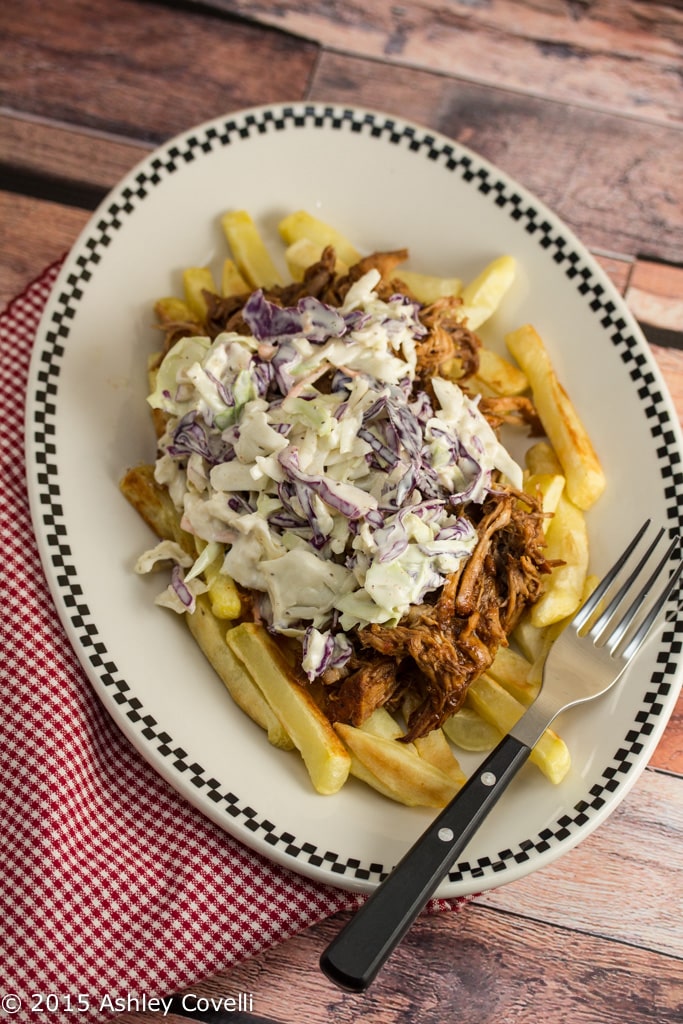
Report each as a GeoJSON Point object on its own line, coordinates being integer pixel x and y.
{"type": "Point", "coordinates": [449, 343]}
{"type": "Point", "coordinates": [431, 657]}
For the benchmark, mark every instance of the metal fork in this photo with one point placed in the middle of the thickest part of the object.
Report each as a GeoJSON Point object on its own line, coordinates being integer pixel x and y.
{"type": "Point", "coordinates": [585, 661]}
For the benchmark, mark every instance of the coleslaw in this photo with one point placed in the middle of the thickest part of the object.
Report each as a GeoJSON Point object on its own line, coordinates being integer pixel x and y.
{"type": "Point", "coordinates": [303, 456]}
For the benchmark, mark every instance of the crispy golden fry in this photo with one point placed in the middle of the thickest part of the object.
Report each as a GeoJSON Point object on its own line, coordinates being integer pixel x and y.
{"type": "Point", "coordinates": [222, 593]}
{"type": "Point", "coordinates": [498, 707]}
{"type": "Point", "coordinates": [469, 731]}
{"type": "Point", "coordinates": [197, 280]}
{"type": "Point", "coordinates": [325, 756]}
{"type": "Point", "coordinates": [209, 634]}
{"type": "Point", "coordinates": [249, 250]}
{"type": "Point", "coordinates": [498, 375]}
{"type": "Point", "coordinates": [482, 296]}
{"type": "Point", "coordinates": [549, 634]}
{"type": "Point", "coordinates": [528, 638]}
{"type": "Point", "coordinates": [549, 488]}
{"type": "Point", "coordinates": [159, 417]}
{"type": "Point", "coordinates": [396, 769]}
{"type": "Point", "coordinates": [541, 459]}
{"type": "Point", "coordinates": [427, 288]}
{"type": "Point", "coordinates": [303, 253]}
{"type": "Point", "coordinates": [381, 723]}
{"type": "Point", "coordinates": [153, 363]}
{"type": "Point", "coordinates": [153, 503]}
{"type": "Point", "coordinates": [232, 282]}
{"type": "Point", "coordinates": [567, 539]}
{"type": "Point", "coordinates": [512, 671]}
{"type": "Point", "coordinates": [304, 225]}
{"type": "Point", "coordinates": [171, 310]}
{"type": "Point", "coordinates": [436, 750]}
{"type": "Point", "coordinates": [561, 422]}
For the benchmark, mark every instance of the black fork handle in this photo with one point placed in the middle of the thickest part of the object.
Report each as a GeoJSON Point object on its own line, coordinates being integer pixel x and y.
{"type": "Point", "coordinates": [354, 957]}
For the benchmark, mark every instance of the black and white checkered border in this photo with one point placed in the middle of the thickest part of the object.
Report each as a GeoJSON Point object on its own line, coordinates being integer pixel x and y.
{"type": "Point", "coordinates": [505, 195]}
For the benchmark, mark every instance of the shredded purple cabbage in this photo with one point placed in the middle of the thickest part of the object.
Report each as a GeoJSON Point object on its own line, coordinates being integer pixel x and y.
{"type": "Point", "coordinates": [191, 436]}
{"type": "Point", "coordinates": [384, 456]}
{"type": "Point", "coordinates": [336, 652]}
{"type": "Point", "coordinates": [325, 488]}
{"type": "Point", "coordinates": [181, 588]}
{"type": "Point", "coordinates": [269, 322]}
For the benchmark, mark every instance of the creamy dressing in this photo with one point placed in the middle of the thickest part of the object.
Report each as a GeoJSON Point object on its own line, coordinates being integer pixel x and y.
{"type": "Point", "coordinates": [342, 506]}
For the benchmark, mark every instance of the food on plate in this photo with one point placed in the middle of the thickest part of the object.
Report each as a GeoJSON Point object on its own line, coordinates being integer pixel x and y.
{"type": "Point", "coordinates": [325, 757]}
{"type": "Point", "coordinates": [351, 543]}
{"type": "Point", "coordinates": [561, 423]}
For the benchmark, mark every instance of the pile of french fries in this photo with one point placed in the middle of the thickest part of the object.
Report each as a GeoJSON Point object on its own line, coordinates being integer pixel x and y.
{"type": "Point", "coordinates": [563, 469]}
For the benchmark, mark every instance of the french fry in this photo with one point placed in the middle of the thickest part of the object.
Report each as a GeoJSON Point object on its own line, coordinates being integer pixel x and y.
{"type": "Point", "coordinates": [381, 723]}
{"type": "Point", "coordinates": [549, 635]}
{"type": "Point", "coordinates": [498, 707]}
{"type": "Point", "coordinates": [195, 281]}
{"type": "Point", "coordinates": [528, 638]}
{"type": "Point", "coordinates": [512, 670]}
{"type": "Point", "coordinates": [396, 770]}
{"type": "Point", "coordinates": [300, 255]}
{"type": "Point", "coordinates": [436, 750]}
{"type": "Point", "coordinates": [561, 422]}
{"type": "Point", "coordinates": [482, 296]}
{"type": "Point", "coordinates": [567, 539]}
{"type": "Point", "coordinates": [427, 288]}
{"type": "Point", "coordinates": [499, 375]}
{"type": "Point", "coordinates": [223, 594]}
{"type": "Point", "coordinates": [172, 310]}
{"type": "Point", "coordinates": [469, 731]}
{"type": "Point", "coordinates": [249, 250]}
{"type": "Point", "coordinates": [304, 225]}
{"type": "Point", "coordinates": [209, 634]}
{"type": "Point", "coordinates": [325, 756]}
{"type": "Point", "coordinates": [159, 417]}
{"type": "Point", "coordinates": [541, 459]}
{"type": "Point", "coordinates": [232, 282]}
{"type": "Point", "coordinates": [153, 504]}
{"type": "Point", "coordinates": [549, 488]}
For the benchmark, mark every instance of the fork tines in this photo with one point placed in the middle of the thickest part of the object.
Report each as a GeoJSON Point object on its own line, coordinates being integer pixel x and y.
{"type": "Point", "coordinates": [643, 609]}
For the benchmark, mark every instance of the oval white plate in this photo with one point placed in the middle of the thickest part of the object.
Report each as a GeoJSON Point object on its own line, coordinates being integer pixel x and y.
{"type": "Point", "coordinates": [385, 183]}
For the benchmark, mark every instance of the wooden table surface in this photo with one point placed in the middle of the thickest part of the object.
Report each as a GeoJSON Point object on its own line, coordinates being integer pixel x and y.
{"type": "Point", "coordinates": [579, 100]}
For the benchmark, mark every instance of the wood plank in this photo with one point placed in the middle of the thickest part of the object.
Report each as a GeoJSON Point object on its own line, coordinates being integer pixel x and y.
{"type": "Point", "coordinates": [595, 170]}
{"type": "Point", "coordinates": [477, 967]}
{"type": "Point", "coordinates": [86, 159]}
{"type": "Point", "coordinates": [669, 752]}
{"type": "Point", "coordinates": [145, 71]}
{"type": "Point", "coordinates": [620, 882]}
{"type": "Point", "coordinates": [670, 362]}
{"type": "Point", "coordinates": [34, 234]}
{"type": "Point", "coordinates": [604, 54]}
{"type": "Point", "coordinates": [655, 294]}
{"type": "Point", "coordinates": [618, 269]}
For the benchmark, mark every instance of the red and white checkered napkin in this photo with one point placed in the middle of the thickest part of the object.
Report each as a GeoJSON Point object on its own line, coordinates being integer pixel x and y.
{"type": "Point", "coordinates": [109, 882]}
